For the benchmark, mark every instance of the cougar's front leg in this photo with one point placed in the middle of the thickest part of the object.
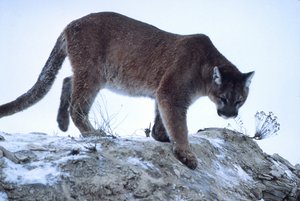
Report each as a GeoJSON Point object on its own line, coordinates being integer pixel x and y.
{"type": "Point", "coordinates": [173, 109]}
{"type": "Point", "coordinates": [159, 132]}
{"type": "Point", "coordinates": [63, 116]}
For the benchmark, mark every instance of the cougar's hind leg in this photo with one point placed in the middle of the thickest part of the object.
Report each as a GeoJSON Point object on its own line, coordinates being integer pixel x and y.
{"type": "Point", "coordinates": [84, 92]}
{"type": "Point", "coordinates": [159, 132]}
{"type": "Point", "coordinates": [63, 116]}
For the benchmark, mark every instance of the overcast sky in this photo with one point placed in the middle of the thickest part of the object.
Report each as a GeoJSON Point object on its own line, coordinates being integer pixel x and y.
{"type": "Point", "coordinates": [260, 35]}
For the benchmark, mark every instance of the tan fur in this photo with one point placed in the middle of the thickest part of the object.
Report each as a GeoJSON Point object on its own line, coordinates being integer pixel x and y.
{"type": "Point", "coordinates": [109, 50]}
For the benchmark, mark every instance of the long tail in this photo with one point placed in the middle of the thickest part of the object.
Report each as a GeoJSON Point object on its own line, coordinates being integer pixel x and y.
{"type": "Point", "coordinates": [43, 84]}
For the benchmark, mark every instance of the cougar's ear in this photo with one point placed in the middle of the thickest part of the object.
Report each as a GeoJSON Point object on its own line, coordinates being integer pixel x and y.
{"type": "Point", "coordinates": [217, 76]}
{"type": "Point", "coordinates": [248, 78]}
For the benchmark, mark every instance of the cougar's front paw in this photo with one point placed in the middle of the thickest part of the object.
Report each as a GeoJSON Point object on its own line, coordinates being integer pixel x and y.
{"type": "Point", "coordinates": [186, 156]}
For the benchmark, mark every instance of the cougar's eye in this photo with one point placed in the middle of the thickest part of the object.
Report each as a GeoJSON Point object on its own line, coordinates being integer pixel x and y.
{"type": "Point", "coordinates": [223, 100]}
{"type": "Point", "coordinates": [237, 103]}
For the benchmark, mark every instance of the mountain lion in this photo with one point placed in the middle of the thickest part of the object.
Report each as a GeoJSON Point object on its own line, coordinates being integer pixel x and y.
{"type": "Point", "coordinates": [109, 50]}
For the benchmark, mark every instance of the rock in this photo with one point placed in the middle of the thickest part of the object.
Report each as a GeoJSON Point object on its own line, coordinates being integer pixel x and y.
{"type": "Point", "coordinates": [283, 161]}
{"type": "Point", "coordinates": [297, 169]}
{"type": "Point", "coordinates": [231, 166]}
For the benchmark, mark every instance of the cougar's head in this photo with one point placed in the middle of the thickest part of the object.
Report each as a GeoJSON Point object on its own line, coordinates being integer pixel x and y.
{"type": "Point", "coordinates": [229, 90]}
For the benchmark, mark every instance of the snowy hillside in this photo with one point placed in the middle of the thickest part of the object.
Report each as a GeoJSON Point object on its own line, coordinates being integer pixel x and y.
{"type": "Point", "coordinates": [231, 166]}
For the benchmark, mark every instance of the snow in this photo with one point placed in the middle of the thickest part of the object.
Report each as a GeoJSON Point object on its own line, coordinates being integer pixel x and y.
{"type": "Point", "coordinates": [19, 142]}
{"type": "Point", "coordinates": [49, 172]}
{"type": "Point", "coordinates": [41, 173]}
{"type": "Point", "coordinates": [38, 171]}
{"type": "Point", "coordinates": [244, 176]}
{"type": "Point", "coordinates": [216, 142]}
{"type": "Point", "coordinates": [140, 162]}
{"type": "Point", "coordinates": [140, 137]}
{"type": "Point", "coordinates": [41, 170]}
{"type": "Point", "coordinates": [179, 198]}
{"type": "Point", "coordinates": [231, 176]}
{"type": "Point", "coordinates": [280, 169]}
{"type": "Point", "coordinates": [3, 196]}
{"type": "Point", "coordinates": [227, 175]}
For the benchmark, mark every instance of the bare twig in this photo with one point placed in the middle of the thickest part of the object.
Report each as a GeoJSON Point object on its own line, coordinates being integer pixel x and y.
{"type": "Point", "coordinates": [108, 121]}
{"type": "Point", "coordinates": [148, 130]}
{"type": "Point", "coordinates": [266, 125]}
{"type": "Point", "coordinates": [91, 148]}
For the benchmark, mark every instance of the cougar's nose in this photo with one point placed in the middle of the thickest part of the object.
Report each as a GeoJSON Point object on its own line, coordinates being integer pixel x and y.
{"type": "Point", "coordinates": [227, 114]}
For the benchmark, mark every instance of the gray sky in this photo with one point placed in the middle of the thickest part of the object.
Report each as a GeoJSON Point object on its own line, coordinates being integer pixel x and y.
{"type": "Point", "coordinates": [260, 35]}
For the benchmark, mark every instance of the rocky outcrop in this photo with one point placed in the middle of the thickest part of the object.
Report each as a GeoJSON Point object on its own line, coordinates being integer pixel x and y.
{"type": "Point", "coordinates": [231, 166]}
